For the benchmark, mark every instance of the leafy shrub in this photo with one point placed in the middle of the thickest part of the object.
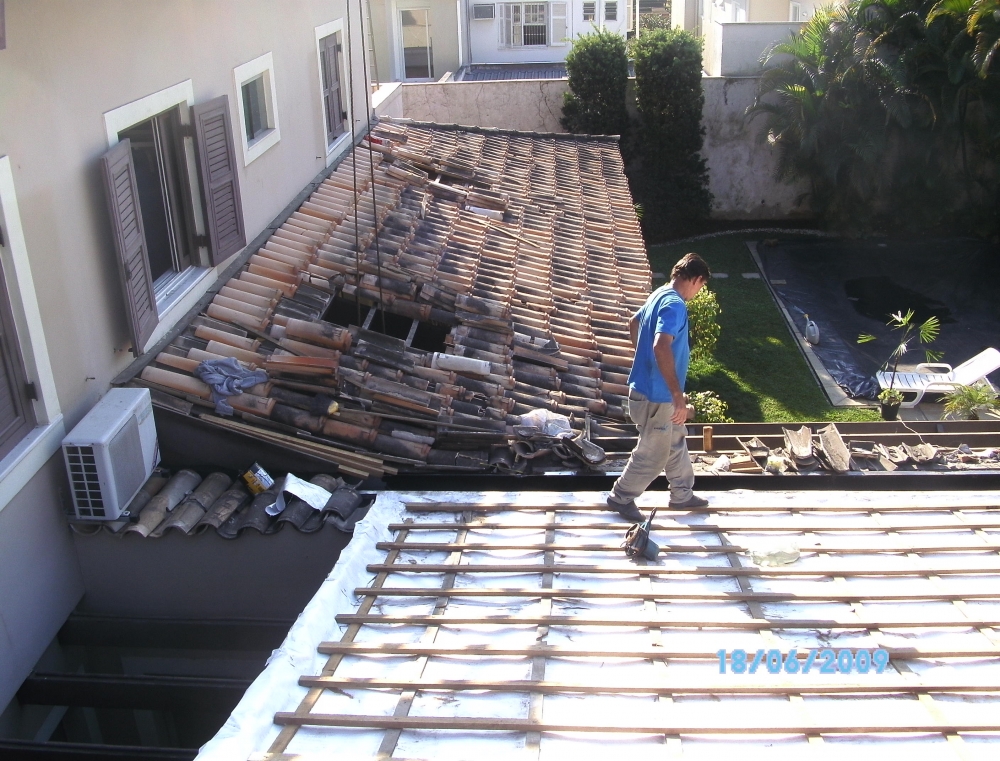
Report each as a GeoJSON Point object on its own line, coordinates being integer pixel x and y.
{"type": "Point", "coordinates": [650, 21]}
{"type": "Point", "coordinates": [671, 179]}
{"type": "Point", "coordinates": [703, 324]}
{"type": "Point", "coordinates": [598, 77]}
{"type": "Point", "coordinates": [969, 402]}
{"type": "Point", "coordinates": [708, 407]}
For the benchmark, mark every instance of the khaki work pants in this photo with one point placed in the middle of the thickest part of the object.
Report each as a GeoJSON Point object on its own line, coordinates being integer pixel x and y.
{"type": "Point", "coordinates": [661, 447]}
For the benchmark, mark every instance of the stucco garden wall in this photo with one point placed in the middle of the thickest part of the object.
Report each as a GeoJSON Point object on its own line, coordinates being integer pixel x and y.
{"type": "Point", "coordinates": [741, 168]}
{"type": "Point", "coordinates": [533, 105]}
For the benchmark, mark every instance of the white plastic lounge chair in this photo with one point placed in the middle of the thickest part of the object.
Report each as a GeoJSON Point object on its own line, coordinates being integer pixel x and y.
{"type": "Point", "coordinates": [937, 377]}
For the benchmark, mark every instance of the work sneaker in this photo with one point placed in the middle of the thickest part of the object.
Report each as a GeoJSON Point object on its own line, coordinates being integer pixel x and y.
{"type": "Point", "coordinates": [628, 510]}
{"type": "Point", "coordinates": [692, 501]}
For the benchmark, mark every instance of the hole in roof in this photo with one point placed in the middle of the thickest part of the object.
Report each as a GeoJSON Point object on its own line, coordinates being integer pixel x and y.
{"type": "Point", "coordinates": [430, 336]}
{"type": "Point", "coordinates": [344, 311]}
{"type": "Point", "coordinates": [395, 325]}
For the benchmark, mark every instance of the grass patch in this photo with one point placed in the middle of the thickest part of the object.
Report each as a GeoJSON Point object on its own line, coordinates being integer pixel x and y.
{"type": "Point", "coordinates": [757, 368]}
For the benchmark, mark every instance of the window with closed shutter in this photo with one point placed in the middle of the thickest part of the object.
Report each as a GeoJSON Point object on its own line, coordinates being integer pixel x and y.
{"type": "Point", "coordinates": [330, 53]}
{"type": "Point", "coordinates": [589, 11]}
{"type": "Point", "coordinates": [611, 11]}
{"type": "Point", "coordinates": [17, 416]}
{"type": "Point", "coordinates": [559, 27]}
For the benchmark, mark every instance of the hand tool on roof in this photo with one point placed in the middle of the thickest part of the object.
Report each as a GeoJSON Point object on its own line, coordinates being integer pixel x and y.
{"type": "Point", "coordinates": [637, 541]}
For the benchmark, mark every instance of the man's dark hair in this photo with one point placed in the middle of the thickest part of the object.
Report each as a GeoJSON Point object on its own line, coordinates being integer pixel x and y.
{"type": "Point", "coordinates": [690, 267]}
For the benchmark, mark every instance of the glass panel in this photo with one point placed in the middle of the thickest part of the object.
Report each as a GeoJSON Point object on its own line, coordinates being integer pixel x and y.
{"type": "Point", "coordinates": [535, 24]}
{"type": "Point", "coordinates": [254, 114]}
{"type": "Point", "coordinates": [416, 27]}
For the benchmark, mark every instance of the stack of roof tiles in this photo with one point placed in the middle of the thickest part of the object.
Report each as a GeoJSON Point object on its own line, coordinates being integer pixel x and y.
{"type": "Point", "coordinates": [525, 248]}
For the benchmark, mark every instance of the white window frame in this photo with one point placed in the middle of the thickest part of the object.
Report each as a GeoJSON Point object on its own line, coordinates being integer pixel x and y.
{"type": "Point", "coordinates": [507, 32]}
{"type": "Point", "coordinates": [35, 449]}
{"type": "Point", "coordinates": [343, 142]}
{"type": "Point", "coordinates": [610, 4]}
{"type": "Point", "coordinates": [795, 9]}
{"type": "Point", "coordinates": [593, 18]}
{"type": "Point", "coordinates": [260, 66]}
{"type": "Point", "coordinates": [183, 292]}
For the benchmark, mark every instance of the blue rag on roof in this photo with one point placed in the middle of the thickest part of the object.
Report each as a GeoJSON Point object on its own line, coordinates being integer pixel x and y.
{"type": "Point", "coordinates": [227, 377]}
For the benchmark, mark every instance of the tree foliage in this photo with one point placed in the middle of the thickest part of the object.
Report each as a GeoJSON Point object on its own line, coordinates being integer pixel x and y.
{"type": "Point", "coordinates": [670, 178]}
{"type": "Point", "coordinates": [598, 79]}
{"type": "Point", "coordinates": [703, 324]}
{"type": "Point", "coordinates": [890, 109]}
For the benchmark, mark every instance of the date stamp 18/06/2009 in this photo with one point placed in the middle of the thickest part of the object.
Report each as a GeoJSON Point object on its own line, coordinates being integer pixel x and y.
{"type": "Point", "coordinates": [826, 661]}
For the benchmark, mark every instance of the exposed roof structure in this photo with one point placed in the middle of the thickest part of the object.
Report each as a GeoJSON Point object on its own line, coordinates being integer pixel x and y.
{"type": "Point", "coordinates": [416, 304]}
{"type": "Point", "coordinates": [482, 625]}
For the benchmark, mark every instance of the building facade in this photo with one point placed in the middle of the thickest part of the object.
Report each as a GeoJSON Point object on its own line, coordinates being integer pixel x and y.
{"type": "Point", "coordinates": [142, 146]}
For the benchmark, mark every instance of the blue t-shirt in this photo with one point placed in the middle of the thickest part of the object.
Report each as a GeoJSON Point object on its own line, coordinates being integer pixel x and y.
{"type": "Point", "coordinates": [663, 312]}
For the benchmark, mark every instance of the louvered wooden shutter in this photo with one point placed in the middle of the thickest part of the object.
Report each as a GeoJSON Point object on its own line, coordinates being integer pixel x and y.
{"type": "Point", "coordinates": [332, 102]}
{"type": "Point", "coordinates": [217, 158]}
{"type": "Point", "coordinates": [130, 243]}
{"type": "Point", "coordinates": [557, 21]}
{"type": "Point", "coordinates": [17, 416]}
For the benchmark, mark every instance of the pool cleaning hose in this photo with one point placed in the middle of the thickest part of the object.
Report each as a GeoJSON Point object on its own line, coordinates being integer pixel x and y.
{"type": "Point", "coordinates": [637, 542]}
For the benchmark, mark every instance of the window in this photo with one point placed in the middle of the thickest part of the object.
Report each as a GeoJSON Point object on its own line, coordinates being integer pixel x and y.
{"type": "Point", "coordinates": [418, 52]}
{"type": "Point", "coordinates": [483, 12]}
{"type": "Point", "coordinates": [590, 11]}
{"type": "Point", "coordinates": [611, 11]}
{"type": "Point", "coordinates": [533, 24]}
{"type": "Point", "coordinates": [31, 424]}
{"type": "Point", "coordinates": [330, 63]}
{"type": "Point", "coordinates": [794, 12]}
{"type": "Point", "coordinates": [254, 109]}
{"type": "Point", "coordinates": [174, 200]}
{"type": "Point", "coordinates": [257, 105]}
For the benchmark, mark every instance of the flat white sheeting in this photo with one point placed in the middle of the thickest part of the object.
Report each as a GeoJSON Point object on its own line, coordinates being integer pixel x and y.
{"type": "Point", "coordinates": [250, 731]}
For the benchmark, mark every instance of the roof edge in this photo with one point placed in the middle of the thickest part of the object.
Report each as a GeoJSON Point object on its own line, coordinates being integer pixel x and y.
{"type": "Point", "coordinates": [499, 131]}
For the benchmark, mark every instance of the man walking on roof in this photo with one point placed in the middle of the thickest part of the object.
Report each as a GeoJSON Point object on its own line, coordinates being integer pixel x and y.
{"type": "Point", "coordinates": [656, 401]}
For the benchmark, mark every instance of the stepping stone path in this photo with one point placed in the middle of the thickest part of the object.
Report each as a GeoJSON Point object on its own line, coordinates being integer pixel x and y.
{"type": "Point", "coordinates": [751, 275]}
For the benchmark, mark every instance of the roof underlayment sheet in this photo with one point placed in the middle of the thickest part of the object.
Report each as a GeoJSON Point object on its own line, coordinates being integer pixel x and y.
{"type": "Point", "coordinates": [491, 625]}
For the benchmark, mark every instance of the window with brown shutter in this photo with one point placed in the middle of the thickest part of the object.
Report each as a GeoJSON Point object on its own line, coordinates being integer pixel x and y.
{"type": "Point", "coordinates": [164, 220]}
{"type": "Point", "coordinates": [130, 242]}
{"type": "Point", "coordinates": [333, 103]}
{"type": "Point", "coordinates": [217, 158]}
{"type": "Point", "coordinates": [17, 417]}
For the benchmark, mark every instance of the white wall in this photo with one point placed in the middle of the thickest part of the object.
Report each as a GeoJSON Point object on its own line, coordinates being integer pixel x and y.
{"type": "Point", "coordinates": [734, 50]}
{"type": "Point", "coordinates": [533, 105]}
{"type": "Point", "coordinates": [740, 167]}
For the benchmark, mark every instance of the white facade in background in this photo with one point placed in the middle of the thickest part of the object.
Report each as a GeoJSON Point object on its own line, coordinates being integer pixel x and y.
{"type": "Point", "coordinates": [536, 32]}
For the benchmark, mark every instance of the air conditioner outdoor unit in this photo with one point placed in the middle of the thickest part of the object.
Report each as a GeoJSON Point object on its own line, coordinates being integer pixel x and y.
{"type": "Point", "coordinates": [110, 453]}
{"type": "Point", "coordinates": [483, 11]}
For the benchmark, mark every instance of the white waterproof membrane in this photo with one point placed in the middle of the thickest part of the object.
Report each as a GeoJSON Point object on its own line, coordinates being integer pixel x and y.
{"type": "Point", "coordinates": [549, 641]}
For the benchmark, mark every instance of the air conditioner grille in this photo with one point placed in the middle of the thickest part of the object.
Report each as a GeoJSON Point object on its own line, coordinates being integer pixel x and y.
{"type": "Point", "coordinates": [85, 480]}
{"type": "Point", "coordinates": [127, 466]}
{"type": "Point", "coordinates": [483, 11]}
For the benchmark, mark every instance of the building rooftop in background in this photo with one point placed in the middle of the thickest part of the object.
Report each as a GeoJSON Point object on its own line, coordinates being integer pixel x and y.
{"type": "Point", "coordinates": [498, 72]}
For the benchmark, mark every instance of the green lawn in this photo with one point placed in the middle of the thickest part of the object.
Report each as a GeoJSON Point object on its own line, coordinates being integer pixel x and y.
{"type": "Point", "coordinates": [757, 369]}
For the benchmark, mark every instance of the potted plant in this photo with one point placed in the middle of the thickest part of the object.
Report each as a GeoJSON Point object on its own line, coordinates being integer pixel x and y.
{"type": "Point", "coordinates": [969, 402]}
{"type": "Point", "coordinates": [890, 398]}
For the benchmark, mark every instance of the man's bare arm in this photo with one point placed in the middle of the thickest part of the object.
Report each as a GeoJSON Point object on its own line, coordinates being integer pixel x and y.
{"type": "Point", "coordinates": [633, 330]}
{"type": "Point", "coordinates": [664, 354]}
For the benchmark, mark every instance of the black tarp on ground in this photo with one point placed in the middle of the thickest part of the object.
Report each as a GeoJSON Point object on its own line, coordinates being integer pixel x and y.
{"type": "Point", "coordinates": [851, 287]}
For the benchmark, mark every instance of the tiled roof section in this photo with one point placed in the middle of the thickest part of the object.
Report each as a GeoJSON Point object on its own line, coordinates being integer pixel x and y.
{"type": "Point", "coordinates": [524, 248]}
{"type": "Point", "coordinates": [487, 73]}
{"type": "Point", "coordinates": [188, 504]}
